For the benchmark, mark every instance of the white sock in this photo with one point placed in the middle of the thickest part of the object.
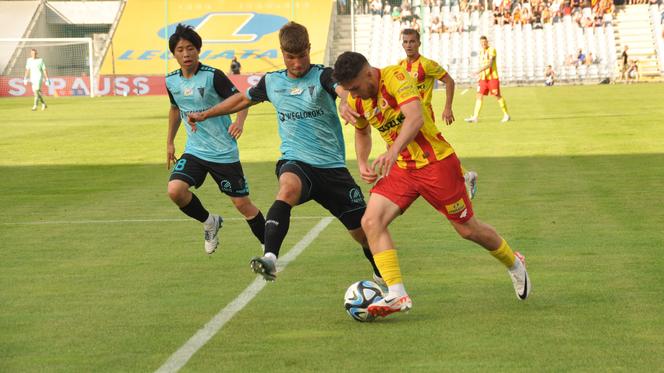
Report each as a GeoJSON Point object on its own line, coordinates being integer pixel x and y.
{"type": "Point", "coordinates": [396, 291]}
{"type": "Point", "coordinates": [270, 256]}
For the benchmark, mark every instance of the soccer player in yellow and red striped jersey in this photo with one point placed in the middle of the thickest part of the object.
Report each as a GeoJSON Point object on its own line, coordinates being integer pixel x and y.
{"type": "Point", "coordinates": [488, 81]}
{"type": "Point", "coordinates": [426, 72]}
{"type": "Point", "coordinates": [418, 161]}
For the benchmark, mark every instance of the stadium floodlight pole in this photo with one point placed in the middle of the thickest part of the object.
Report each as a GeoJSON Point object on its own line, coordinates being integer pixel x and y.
{"type": "Point", "coordinates": [352, 25]}
{"type": "Point", "coordinates": [63, 40]}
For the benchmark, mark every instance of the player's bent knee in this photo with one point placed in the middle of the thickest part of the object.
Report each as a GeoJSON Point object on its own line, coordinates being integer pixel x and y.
{"type": "Point", "coordinates": [177, 192]}
{"type": "Point", "coordinates": [371, 223]}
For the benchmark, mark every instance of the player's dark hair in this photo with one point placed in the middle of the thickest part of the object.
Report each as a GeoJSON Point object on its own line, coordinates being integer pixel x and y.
{"type": "Point", "coordinates": [294, 38]}
{"type": "Point", "coordinates": [185, 32]}
{"type": "Point", "coordinates": [484, 38]}
{"type": "Point", "coordinates": [411, 31]}
{"type": "Point", "coordinates": [348, 66]}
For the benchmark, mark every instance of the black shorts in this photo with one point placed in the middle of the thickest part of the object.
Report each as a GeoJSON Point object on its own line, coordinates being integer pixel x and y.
{"type": "Point", "coordinates": [332, 188]}
{"type": "Point", "coordinates": [228, 176]}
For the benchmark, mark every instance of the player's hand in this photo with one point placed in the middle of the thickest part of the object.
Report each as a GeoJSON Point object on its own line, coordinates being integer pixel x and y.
{"type": "Point", "coordinates": [448, 116]}
{"type": "Point", "coordinates": [384, 163]}
{"type": "Point", "coordinates": [170, 155]}
{"type": "Point", "coordinates": [367, 173]}
{"type": "Point", "coordinates": [193, 119]}
{"type": "Point", "coordinates": [235, 130]}
{"type": "Point", "coordinates": [348, 114]}
{"type": "Point", "coordinates": [48, 82]}
{"type": "Point", "coordinates": [25, 81]}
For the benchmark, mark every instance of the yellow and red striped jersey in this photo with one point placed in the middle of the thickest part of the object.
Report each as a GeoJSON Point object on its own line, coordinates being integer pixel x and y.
{"type": "Point", "coordinates": [396, 88]}
{"type": "Point", "coordinates": [425, 72]}
{"type": "Point", "coordinates": [485, 57]}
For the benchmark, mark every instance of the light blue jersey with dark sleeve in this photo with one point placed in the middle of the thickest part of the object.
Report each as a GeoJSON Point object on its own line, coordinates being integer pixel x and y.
{"type": "Point", "coordinates": [309, 126]}
{"type": "Point", "coordinates": [208, 87]}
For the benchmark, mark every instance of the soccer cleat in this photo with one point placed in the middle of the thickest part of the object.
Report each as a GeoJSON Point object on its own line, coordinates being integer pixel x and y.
{"type": "Point", "coordinates": [381, 283]}
{"type": "Point", "coordinates": [211, 234]}
{"type": "Point", "coordinates": [471, 120]}
{"type": "Point", "coordinates": [44, 107]}
{"type": "Point", "coordinates": [386, 306]}
{"type": "Point", "coordinates": [264, 266]}
{"type": "Point", "coordinates": [34, 108]}
{"type": "Point", "coordinates": [506, 118]}
{"type": "Point", "coordinates": [519, 275]}
{"type": "Point", "coordinates": [470, 179]}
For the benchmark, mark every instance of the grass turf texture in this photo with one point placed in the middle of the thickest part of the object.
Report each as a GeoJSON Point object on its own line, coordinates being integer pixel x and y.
{"type": "Point", "coordinates": [574, 182]}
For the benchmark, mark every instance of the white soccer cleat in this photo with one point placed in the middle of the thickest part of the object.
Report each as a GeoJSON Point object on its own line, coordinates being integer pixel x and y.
{"type": "Point", "coordinates": [44, 107]}
{"type": "Point", "coordinates": [212, 233]}
{"type": "Point", "coordinates": [34, 108]}
{"type": "Point", "coordinates": [520, 279]}
{"type": "Point", "coordinates": [385, 307]}
{"type": "Point", "coordinates": [470, 179]}
{"type": "Point", "coordinates": [471, 120]}
{"type": "Point", "coordinates": [506, 118]}
{"type": "Point", "coordinates": [381, 283]}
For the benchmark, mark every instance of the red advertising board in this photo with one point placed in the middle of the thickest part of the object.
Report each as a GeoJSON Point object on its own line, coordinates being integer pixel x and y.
{"type": "Point", "coordinates": [119, 85]}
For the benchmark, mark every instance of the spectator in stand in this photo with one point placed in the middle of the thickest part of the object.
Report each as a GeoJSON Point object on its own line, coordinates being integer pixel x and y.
{"type": "Point", "coordinates": [570, 61]}
{"type": "Point", "coordinates": [387, 10]}
{"type": "Point", "coordinates": [549, 76]}
{"type": "Point", "coordinates": [396, 13]}
{"type": "Point", "coordinates": [547, 19]}
{"type": "Point", "coordinates": [436, 26]}
{"type": "Point", "coordinates": [633, 72]}
{"type": "Point", "coordinates": [375, 7]}
{"type": "Point", "coordinates": [581, 58]}
{"type": "Point", "coordinates": [623, 68]}
{"type": "Point", "coordinates": [235, 66]}
{"type": "Point", "coordinates": [590, 59]}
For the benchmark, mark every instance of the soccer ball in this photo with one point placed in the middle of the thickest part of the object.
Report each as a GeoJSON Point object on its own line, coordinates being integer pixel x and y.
{"type": "Point", "coordinates": [359, 296]}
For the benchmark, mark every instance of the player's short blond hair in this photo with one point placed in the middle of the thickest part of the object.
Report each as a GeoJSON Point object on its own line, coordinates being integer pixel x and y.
{"type": "Point", "coordinates": [411, 31]}
{"type": "Point", "coordinates": [294, 38]}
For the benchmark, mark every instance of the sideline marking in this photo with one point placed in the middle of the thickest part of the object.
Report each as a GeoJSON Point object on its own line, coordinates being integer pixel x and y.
{"type": "Point", "coordinates": [180, 357]}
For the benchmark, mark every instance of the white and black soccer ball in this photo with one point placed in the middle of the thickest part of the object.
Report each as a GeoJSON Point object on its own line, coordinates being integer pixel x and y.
{"type": "Point", "coordinates": [359, 296]}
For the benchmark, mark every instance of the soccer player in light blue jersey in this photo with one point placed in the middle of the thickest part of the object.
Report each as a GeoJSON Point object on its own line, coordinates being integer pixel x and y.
{"type": "Point", "coordinates": [212, 148]}
{"type": "Point", "coordinates": [35, 70]}
{"type": "Point", "coordinates": [312, 165]}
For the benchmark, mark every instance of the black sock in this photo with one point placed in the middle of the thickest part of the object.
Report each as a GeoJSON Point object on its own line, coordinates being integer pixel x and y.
{"type": "Point", "coordinates": [195, 209]}
{"type": "Point", "coordinates": [257, 225]}
{"type": "Point", "coordinates": [369, 256]}
{"type": "Point", "coordinates": [276, 226]}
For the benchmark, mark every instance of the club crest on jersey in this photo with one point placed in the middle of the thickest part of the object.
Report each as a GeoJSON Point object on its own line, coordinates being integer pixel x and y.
{"type": "Point", "coordinates": [456, 207]}
{"type": "Point", "coordinates": [399, 75]}
{"type": "Point", "coordinates": [188, 92]}
{"type": "Point", "coordinates": [296, 91]}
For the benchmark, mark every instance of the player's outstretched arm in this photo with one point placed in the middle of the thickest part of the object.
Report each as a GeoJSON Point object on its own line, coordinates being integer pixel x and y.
{"type": "Point", "coordinates": [347, 113]}
{"type": "Point", "coordinates": [230, 105]}
{"type": "Point", "coordinates": [362, 151]}
{"type": "Point", "coordinates": [448, 115]}
{"type": "Point", "coordinates": [236, 128]}
{"type": "Point", "coordinates": [173, 126]}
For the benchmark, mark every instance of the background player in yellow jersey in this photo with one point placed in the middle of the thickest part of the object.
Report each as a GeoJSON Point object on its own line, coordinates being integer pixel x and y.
{"type": "Point", "coordinates": [488, 81]}
{"type": "Point", "coordinates": [426, 72]}
{"type": "Point", "coordinates": [418, 161]}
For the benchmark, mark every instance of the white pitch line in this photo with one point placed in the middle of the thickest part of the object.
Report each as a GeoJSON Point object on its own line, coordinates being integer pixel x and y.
{"type": "Point", "coordinates": [176, 361]}
{"type": "Point", "coordinates": [122, 221]}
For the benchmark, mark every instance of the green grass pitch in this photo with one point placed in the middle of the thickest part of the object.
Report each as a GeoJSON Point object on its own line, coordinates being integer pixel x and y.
{"type": "Point", "coordinates": [99, 271]}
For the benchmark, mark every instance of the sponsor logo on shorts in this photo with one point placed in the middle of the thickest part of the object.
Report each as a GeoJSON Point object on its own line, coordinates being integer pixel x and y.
{"type": "Point", "coordinates": [226, 186]}
{"type": "Point", "coordinates": [355, 196]}
{"type": "Point", "coordinates": [456, 207]}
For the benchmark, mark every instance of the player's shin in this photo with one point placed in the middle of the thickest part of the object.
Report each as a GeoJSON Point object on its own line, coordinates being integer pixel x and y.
{"type": "Point", "coordinates": [388, 264]}
{"type": "Point", "coordinates": [478, 107]}
{"type": "Point", "coordinates": [504, 254]}
{"type": "Point", "coordinates": [257, 226]}
{"type": "Point", "coordinates": [276, 226]}
{"type": "Point", "coordinates": [503, 105]}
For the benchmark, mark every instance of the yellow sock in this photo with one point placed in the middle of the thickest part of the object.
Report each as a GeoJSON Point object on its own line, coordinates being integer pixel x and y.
{"type": "Point", "coordinates": [503, 105]}
{"type": "Point", "coordinates": [388, 265]}
{"type": "Point", "coordinates": [504, 254]}
{"type": "Point", "coordinates": [478, 107]}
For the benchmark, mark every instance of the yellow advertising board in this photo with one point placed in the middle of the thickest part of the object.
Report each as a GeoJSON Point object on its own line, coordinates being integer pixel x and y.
{"type": "Point", "coordinates": [245, 29]}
